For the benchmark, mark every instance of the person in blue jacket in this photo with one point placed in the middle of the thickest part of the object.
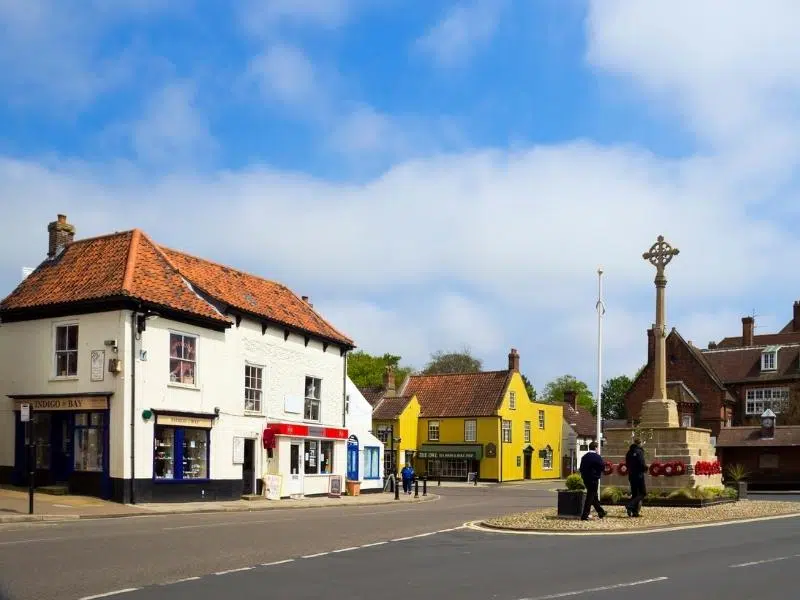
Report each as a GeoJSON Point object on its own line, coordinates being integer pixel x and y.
{"type": "Point", "coordinates": [591, 469]}
{"type": "Point", "coordinates": [408, 476]}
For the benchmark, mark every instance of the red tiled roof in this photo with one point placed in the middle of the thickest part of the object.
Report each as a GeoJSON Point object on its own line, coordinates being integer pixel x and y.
{"type": "Point", "coordinates": [131, 265]}
{"type": "Point", "coordinates": [767, 339]}
{"type": "Point", "coordinates": [731, 437]}
{"type": "Point", "coordinates": [373, 395]}
{"type": "Point", "coordinates": [678, 392]}
{"type": "Point", "coordinates": [459, 394]}
{"type": "Point", "coordinates": [581, 420]}
{"type": "Point", "coordinates": [745, 363]}
{"type": "Point", "coordinates": [390, 408]}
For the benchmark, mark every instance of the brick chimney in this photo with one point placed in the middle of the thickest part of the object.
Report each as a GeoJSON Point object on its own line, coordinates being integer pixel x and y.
{"type": "Point", "coordinates": [747, 331]}
{"type": "Point", "coordinates": [307, 300]}
{"type": "Point", "coordinates": [388, 381]}
{"type": "Point", "coordinates": [61, 235]}
{"type": "Point", "coordinates": [651, 345]}
{"type": "Point", "coordinates": [571, 398]}
{"type": "Point", "coordinates": [513, 360]}
{"type": "Point", "coordinates": [796, 316]}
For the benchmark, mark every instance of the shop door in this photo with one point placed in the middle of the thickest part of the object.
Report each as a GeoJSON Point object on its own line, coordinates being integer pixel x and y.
{"type": "Point", "coordinates": [249, 467]}
{"type": "Point", "coordinates": [528, 458]}
{"type": "Point", "coordinates": [295, 487]}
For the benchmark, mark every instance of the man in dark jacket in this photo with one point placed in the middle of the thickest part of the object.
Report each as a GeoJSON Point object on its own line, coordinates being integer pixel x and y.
{"type": "Point", "coordinates": [634, 461]}
{"type": "Point", "coordinates": [591, 469]}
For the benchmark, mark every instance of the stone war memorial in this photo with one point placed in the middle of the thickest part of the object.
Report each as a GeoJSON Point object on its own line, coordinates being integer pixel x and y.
{"type": "Point", "coordinates": [678, 457]}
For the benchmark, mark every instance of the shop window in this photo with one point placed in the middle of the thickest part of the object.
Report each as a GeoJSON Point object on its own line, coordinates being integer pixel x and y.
{"type": "Point", "coordinates": [372, 466]}
{"type": "Point", "coordinates": [506, 432]}
{"type": "Point", "coordinates": [89, 435]}
{"type": "Point", "coordinates": [456, 468]}
{"type": "Point", "coordinates": [41, 439]}
{"type": "Point", "coordinates": [527, 432]}
{"type": "Point", "coordinates": [180, 453]}
{"type": "Point", "coordinates": [470, 430]}
{"type": "Point", "coordinates": [433, 431]}
{"type": "Point", "coordinates": [384, 433]}
{"type": "Point", "coordinates": [253, 387]}
{"type": "Point", "coordinates": [318, 457]}
{"type": "Point", "coordinates": [182, 359]}
{"type": "Point", "coordinates": [312, 399]}
{"type": "Point", "coordinates": [66, 351]}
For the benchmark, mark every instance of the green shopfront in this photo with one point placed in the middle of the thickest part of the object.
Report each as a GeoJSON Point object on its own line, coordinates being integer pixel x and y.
{"type": "Point", "coordinates": [450, 461]}
{"type": "Point", "coordinates": [70, 438]}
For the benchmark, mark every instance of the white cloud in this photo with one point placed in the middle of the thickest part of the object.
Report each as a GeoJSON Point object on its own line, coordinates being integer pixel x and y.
{"type": "Point", "coordinates": [465, 28]}
{"type": "Point", "coordinates": [261, 17]}
{"type": "Point", "coordinates": [284, 73]}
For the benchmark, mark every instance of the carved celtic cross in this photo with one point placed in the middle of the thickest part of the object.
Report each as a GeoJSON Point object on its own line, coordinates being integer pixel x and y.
{"type": "Point", "coordinates": [660, 254]}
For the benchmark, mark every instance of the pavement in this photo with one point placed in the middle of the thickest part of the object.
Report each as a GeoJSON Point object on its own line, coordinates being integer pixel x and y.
{"type": "Point", "coordinates": [85, 557]}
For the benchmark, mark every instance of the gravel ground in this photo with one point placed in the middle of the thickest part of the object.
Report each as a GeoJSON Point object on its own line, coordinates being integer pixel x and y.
{"type": "Point", "coordinates": [651, 517]}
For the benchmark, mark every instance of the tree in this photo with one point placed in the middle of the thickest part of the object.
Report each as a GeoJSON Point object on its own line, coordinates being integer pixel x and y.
{"type": "Point", "coordinates": [529, 387]}
{"type": "Point", "coordinates": [452, 362]}
{"type": "Point", "coordinates": [367, 371]}
{"type": "Point", "coordinates": [613, 397]}
{"type": "Point", "coordinates": [554, 391]}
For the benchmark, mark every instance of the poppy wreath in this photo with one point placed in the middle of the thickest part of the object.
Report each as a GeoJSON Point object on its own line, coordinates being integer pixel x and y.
{"type": "Point", "coordinates": [669, 469]}
{"type": "Point", "coordinates": [656, 469]}
{"type": "Point", "coordinates": [680, 468]}
{"type": "Point", "coordinates": [608, 468]}
{"type": "Point", "coordinates": [707, 467]}
{"type": "Point", "coordinates": [622, 469]}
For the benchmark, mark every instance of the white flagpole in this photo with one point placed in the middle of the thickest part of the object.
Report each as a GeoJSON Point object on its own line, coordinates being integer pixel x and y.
{"type": "Point", "coordinates": [601, 309]}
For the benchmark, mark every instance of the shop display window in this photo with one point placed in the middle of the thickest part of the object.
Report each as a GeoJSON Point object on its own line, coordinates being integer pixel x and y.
{"type": "Point", "coordinates": [180, 453]}
{"type": "Point", "coordinates": [89, 435]}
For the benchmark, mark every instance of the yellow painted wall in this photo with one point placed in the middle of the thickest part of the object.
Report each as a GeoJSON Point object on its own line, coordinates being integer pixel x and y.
{"type": "Point", "coordinates": [405, 427]}
{"type": "Point", "coordinates": [550, 435]}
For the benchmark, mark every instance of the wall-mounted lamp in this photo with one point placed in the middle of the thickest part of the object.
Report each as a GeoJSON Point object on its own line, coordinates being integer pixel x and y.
{"type": "Point", "coordinates": [216, 410]}
{"type": "Point", "coordinates": [141, 320]}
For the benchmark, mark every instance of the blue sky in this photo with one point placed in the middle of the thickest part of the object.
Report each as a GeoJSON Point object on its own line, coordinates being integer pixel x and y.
{"type": "Point", "coordinates": [434, 178]}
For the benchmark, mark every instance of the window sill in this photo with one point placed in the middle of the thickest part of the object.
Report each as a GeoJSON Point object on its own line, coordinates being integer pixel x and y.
{"type": "Point", "coordinates": [183, 386]}
{"type": "Point", "coordinates": [318, 475]}
{"type": "Point", "coordinates": [372, 478]}
{"type": "Point", "coordinates": [65, 378]}
{"type": "Point", "coordinates": [253, 413]}
{"type": "Point", "coordinates": [158, 481]}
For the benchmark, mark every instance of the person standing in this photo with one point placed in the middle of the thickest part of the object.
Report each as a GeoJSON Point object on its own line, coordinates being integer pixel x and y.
{"type": "Point", "coordinates": [408, 476]}
{"type": "Point", "coordinates": [591, 469]}
{"type": "Point", "coordinates": [634, 461]}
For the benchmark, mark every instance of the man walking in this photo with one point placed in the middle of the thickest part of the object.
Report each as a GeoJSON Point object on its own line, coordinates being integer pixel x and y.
{"type": "Point", "coordinates": [591, 471]}
{"type": "Point", "coordinates": [634, 461]}
{"type": "Point", "coordinates": [408, 476]}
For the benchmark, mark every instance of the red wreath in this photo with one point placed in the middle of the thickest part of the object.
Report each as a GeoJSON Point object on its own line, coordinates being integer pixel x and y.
{"type": "Point", "coordinates": [680, 468]}
{"type": "Point", "coordinates": [608, 468]}
{"type": "Point", "coordinates": [669, 469]}
{"type": "Point", "coordinates": [656, 469]}
{"type": "Point", "coordinates": [707, 468]}
{"type": "Point", "coordinates": [622, 469]}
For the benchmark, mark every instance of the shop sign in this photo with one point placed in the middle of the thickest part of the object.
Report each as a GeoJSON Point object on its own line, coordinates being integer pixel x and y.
{"type": "Point", "coordinates": [238, 451]}
{"type": "Point", "coordinates": [491, 450]}
{"type": "Point", "coordinates": [335, 486]}
{"type": "Point", "coordinates": [70, 403]}
{"type": "Point", "coordinates": [176, 421]}
{"type": "Point", "coordinates": [434, 454]}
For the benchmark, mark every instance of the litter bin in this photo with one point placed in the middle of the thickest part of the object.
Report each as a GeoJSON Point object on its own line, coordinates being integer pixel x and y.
{"type": "Point", "coordinates": [353, 488]}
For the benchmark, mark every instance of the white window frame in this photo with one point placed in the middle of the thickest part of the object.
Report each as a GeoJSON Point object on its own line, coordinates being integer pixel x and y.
{"type": "Point", "coordinates": [433, 431]}
{"type": "Point", "coordinates": [541, 419]}
{"type": "Point", "coordinates": [317, 443]}
{"type": "Point", "coordinates": [512, 400]}
{"type": "Point", "coordinates": [309, 402]}
{"type": "Point", "coordinates": [527, 432]}
{"type": "Point", "coordinates": [194, 361]}
{"type": "Point", "coordinates": [769, 360]}
{"type": "Point", "coordinates": [687, 421]}
{"type": "Point", "coordinates": [257, 393]}
{"type": "Point", "coordinates": [470, 433]}
{"type": "Point", "coordinates": [505, 431]}
{"type": "Point", "coordinates": [56, 327]}
{"type": "Point", "coordinates": [757, 400]}
{"type": "Point", "coordinates": [547, 459]}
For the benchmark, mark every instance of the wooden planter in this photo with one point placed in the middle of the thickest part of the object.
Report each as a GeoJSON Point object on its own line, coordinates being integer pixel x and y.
{"type": "Point", "coordinates": [570, 503]}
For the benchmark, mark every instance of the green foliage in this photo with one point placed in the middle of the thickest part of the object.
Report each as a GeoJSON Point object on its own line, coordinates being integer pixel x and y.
{"type": "Point", "coordinates": [611, 493]}
{"type": "Point", "coordinates": [574, 483]}
{"type": "Point", "coordinates": [736, 472]}
{"type": "Point", "coordinates": [686, 493]}
{"type": "Point", "coordinates": [452, 362]}
{"type": "Point", "coordinates": [367, 371]}
{"type": "Point", "coordinates": [613, 396]}
{"type": "Point", "coordinates": [529, 387]}
{"type": "Point", "coordinates": [730, 492]}
{"type": "Point", "coordinates": [554, 391]}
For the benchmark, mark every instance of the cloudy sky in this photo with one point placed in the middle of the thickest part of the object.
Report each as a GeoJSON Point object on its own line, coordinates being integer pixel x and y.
{"type": "Point", "coordinates": [444, 176]}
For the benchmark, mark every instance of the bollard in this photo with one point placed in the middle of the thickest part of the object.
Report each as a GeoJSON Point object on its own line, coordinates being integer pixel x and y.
{"type": "Point", "coordinates": [476, 480]}
{"type": "Point", "coordinates": [416, 488]}
{"type": "Point", "coordinates": [396, 490]}
{"type": "Point", "coordinates": [440, 481]}
{"type": "Point", "coordinates": [425, 485]}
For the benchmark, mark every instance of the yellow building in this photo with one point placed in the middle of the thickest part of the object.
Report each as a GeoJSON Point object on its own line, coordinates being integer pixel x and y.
{"type": "Point", "coordinates": [394, 422]}
{"type": "Point", "coordinates": [483, 423]}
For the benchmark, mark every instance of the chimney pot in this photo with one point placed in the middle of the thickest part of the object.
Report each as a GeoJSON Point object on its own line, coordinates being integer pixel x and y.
{"type": "Point", "coordinates": [513, 360]}
{"type": "Point", "coordinates": [60, 235]}
{"type": "Point", "coordinates": [796, 317]}
{"type": "Point", "coordinates": [571, 398]}
{"type": "Point", "coordinates": [304, 298]}
{"type": "Point", "coordinates": [748, 324]}
{"type": "Point", "coordinates": [388, 381]}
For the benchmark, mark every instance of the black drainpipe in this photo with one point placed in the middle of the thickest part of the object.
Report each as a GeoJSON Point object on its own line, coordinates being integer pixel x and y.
{"type": "Point", "coordinates": [133, 406]}
{"type": "Point", "coordinates": [500, 461]}
{"type": "Point", "coordinates": [344, 394]}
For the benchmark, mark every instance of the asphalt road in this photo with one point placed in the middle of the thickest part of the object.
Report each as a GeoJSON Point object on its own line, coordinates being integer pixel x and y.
{"type": "Point", "coordinates": [736, 562]}
{"type": "Point", "coordinates": [72, 560]}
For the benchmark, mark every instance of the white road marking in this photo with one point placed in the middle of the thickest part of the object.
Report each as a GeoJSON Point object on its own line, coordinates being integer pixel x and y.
{"type": "Point", "coordinates": [184, 580]}
{"type": "Point", "coordinates": [277, 562]}
{"type": "Point", "coordinates": [315, 555]}
{"type": "Point", "coordinates": [763, 562]}
{"type": "Point", "coordinates": [373, 544]}
{"type": "Point", "coordinates": [234, 570]}
{"type": "Point", "coordinates": [403, 539]}
{"type": "Point", "coordinates": [107, 594]}
{"type": "Point", "coordinates": [599, 589]}
{"type": "Point", "coordinates": [350, 549]}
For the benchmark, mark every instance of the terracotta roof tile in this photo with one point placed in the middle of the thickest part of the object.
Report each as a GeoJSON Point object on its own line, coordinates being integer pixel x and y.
{"type": "Point", "coordinates": [745, 363]}
{"type": "Point", "coordinates": [767, 339]}
{"type": "Point", "coordinates": [130, 264]}
{"type": "Point", "coordinates": [459, 394]}
{"type": "Point", "coordinates": [581, 420]}
{"type": "Point", "coordinates": [390, 408]}
{"type": "Point", "coordinates": [785, 435]}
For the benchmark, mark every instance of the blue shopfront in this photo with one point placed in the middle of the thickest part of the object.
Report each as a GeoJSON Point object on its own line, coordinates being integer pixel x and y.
{"type": "Point", "coordinates": [70, 438]}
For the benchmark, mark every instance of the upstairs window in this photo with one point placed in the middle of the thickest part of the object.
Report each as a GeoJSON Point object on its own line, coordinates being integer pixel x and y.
{"type": "Point", "coordinates": [527, 432]}
{"type": "Point", "coordinates": [760, 399]}
{"type": "Point", "coordinates": [470, 430]}
{"type": "Point", "coordinates": [512, 400]}
{"type": "Point", "coordinates": [182, 358]}
{"type": "Point", "coordinates": [433, 431]}
{"type": "Point", "coordinates": [253, 388]}
{"type": "Point", "coordinates": [66, 351]}
{"type": "Point", "coordinates": [506, 432]}
{"type": "Point", "coordinates": [313, 399]}
{"type": "Point", "coordinates": [769, 359]}
{"type": "Point", "coordinates": [541, 419]}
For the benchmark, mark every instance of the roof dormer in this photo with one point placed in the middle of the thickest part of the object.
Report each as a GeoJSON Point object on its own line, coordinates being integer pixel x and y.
{"type": "Point", "coordinates": [769, 358]}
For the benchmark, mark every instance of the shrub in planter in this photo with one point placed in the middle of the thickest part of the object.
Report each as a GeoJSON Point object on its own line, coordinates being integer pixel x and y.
{"type": "Point", "coordinates": [737, 473]}
{"type": "Point", "coordinates": [611, 494]}
{"type": "Point", "coordinates": [574, 483]}
{"type": "Point", "coordinates": [570, 500]}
